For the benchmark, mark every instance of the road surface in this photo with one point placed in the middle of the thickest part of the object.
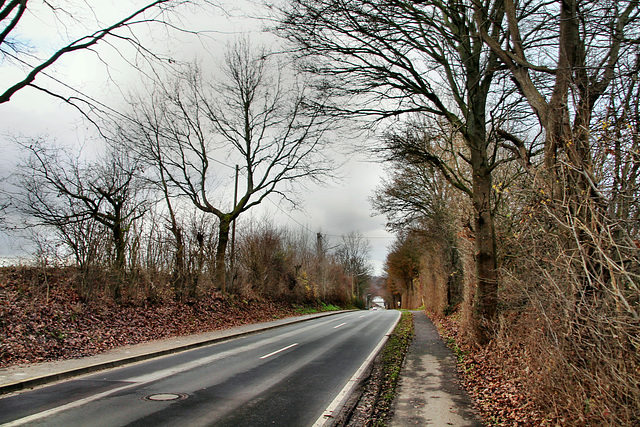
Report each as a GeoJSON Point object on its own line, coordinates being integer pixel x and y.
{"type": "Point", "coordinates": [290, 376]}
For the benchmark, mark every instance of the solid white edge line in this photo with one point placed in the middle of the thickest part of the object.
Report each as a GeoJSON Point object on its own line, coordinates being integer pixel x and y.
{"type": "Point", "coordinates": [70, 405]}
{"type": "Point", "coordinates": [134, 382]}
{"type": "Point", "coordinates": [338, 402]}
{"type": "Point", "coordinates": [278, 351]}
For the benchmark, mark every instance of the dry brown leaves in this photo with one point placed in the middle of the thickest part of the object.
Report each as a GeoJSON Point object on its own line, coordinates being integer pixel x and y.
{"type": "Point", "coordinates": [497, 392]}
{"type": "Point", "coordinates": [50, 323]}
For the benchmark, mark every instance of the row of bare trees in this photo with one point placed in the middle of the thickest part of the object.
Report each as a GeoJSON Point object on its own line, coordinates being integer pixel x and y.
{"type": "Point", "coordinates": [131, 240]}
{"type": "Point", "coordinates": [511, 130]}
{"type": "Point", "coordinates": [201, 146]}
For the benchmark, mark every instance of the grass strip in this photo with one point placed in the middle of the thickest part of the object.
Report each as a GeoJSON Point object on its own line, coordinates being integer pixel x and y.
{"type": "Point", "coordinates": [392, 358]}
{"type": "Point", "coordinates": [374, 405]}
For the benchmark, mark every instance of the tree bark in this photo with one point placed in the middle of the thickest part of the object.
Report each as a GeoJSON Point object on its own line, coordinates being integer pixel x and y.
{"type": "Point", "coordinates": [486, 265]}
{"type": "Point", "coordinates": [120, 246]}
{"type": "Point", "coordinates": [485, 241]}
{"type": "Point", "coordinates": [179, 276]}
{"type": "Point", "coordinates": [223, 240]}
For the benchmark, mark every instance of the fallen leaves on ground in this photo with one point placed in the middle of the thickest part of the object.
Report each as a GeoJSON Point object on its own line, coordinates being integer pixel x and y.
{"type": "Point", "coordinates": [39, 324]}
{"type": "Point", "coordinates": [498, 394]}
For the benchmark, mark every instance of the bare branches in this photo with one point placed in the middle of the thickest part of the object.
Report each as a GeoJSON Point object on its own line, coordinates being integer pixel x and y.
{"type": "Point", "coordinates": [60, 192]}
{"type": "Point", "coordinates": [36, 63]}
{"type": "Point", "coordinates": [419, 147]}
{"type": "Point", "coordinates": [272, 130]}
{"type": "Point", "coordinates": [15, 7]}
{"type": "Point", "coordinates": [587, 41]}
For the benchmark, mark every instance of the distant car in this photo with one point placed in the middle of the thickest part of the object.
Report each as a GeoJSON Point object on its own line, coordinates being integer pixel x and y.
{"type": "Point", "coordinates": [375, 307]}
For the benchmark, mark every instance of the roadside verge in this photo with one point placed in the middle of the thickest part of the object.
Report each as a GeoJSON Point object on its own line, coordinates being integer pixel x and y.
{"type": "Point", "coordinates": [372, 404]}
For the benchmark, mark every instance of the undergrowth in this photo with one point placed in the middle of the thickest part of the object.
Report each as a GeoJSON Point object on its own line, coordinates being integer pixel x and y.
{"type": "Point", "coordinates": [500, 397]}
{"type": "Point", "coordinates": [319, 307]}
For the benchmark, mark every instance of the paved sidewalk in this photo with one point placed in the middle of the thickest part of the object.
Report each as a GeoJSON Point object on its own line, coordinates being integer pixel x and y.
{"type": "Point", "coordinates": [428, 390]}
{"type": "Point", "coordinates": [20, 377]}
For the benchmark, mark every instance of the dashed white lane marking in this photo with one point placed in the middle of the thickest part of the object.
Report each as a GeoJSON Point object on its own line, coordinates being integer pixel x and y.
{"type": "Point", "coordinates": [278, 351]}
{"type": "Point", "coordinates": [337, 326]}
{"type": "Point", "coordinates": [145, 379]}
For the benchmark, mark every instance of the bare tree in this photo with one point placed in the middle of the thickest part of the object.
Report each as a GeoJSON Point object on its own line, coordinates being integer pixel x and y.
{"type": "Point", "coordinates": [353, 253]}
{"type": "Point", "coordinates": [59, 190]}
{"type": "Point", "coordinates": [590, 53]}
{"type": "Point", "coordinates": [616, 147]}
{"type": "Point", "coordinates": [256, 116]}
{"type": "Point", "coordinates": [398, 58]}
{"type": "Point", "coordinates": [583, 42]}
{"type": "Point", "coordinates": [417, 189]}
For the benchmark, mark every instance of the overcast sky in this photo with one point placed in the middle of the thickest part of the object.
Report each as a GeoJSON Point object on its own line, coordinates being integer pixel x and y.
{"type": "Point", "coordinates": [335, 209]}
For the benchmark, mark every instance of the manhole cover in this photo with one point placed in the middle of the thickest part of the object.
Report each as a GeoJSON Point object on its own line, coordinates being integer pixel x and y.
{"type": "Point", "coordinates": [163, 397]}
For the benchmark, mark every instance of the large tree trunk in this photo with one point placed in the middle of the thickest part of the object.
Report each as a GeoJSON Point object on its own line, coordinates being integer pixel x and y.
{"type": "Point", "coordinates": [120, 247]}
{"type": "Point", "coordinates": [555, 118]}
{"type": "Point", "coordinates": [179, 273]}
{"type": "Point", "coordinates": [485, 241]}
{"type": "Point", "coordinates": [487, 285]}
{"type": "Point", "coordinates": [179, 269]}
{"type": "Point", "coordinates": [223, 240]}
{"type": "Point", "coordinates": [486, 300]}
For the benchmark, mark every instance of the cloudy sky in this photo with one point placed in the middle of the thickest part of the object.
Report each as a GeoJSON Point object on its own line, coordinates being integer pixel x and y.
{"type": "Point", "coordinates": [334, 209]}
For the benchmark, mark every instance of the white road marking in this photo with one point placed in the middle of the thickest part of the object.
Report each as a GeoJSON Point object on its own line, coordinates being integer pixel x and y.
{"type": "Point", "coordinates": [326, 417]}
{"type": "Point", "coordinates": [278, 351]}
{"type": "Point", "coordinates": [148, 378]}
{"type": "Point", "coordinates": [71, 405]}
{"type": "Point", "coordinates": [337, 326]}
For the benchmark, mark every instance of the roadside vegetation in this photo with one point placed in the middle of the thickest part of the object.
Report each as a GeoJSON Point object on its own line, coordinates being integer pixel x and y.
{"type": "Point", "coordinates": [492, 377]}
{"type": "Point", "coordinates": [319, 307]}
{"type": "Point", "coordinates": [379, 391]}
{"type": "Point", "coordinates": [43, 317]}
{"type": "Point", "coordinates": [393, 356]}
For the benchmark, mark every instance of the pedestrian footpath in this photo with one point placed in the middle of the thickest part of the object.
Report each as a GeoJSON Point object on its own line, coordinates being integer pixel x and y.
{"type": "Point", "coordinates": [429, 393]}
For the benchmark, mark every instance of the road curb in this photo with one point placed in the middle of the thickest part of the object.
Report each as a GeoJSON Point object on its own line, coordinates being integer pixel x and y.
{"type": "Point", "coordinates": [344, 403]}
{"type": "Point", "coordinates": [70, 373]}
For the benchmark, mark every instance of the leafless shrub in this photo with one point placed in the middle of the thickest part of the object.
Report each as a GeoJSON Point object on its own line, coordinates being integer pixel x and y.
{"type": "Point", "coordinates": [570, 303]}
{"type": "Point", "coordinates": [266, 264]}
{"type": "Point", "coordinates": [278, 263]}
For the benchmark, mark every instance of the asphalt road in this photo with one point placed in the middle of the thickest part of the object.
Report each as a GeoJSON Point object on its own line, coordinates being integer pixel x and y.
{"type": "Point", "coordinates": [290, 376]}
